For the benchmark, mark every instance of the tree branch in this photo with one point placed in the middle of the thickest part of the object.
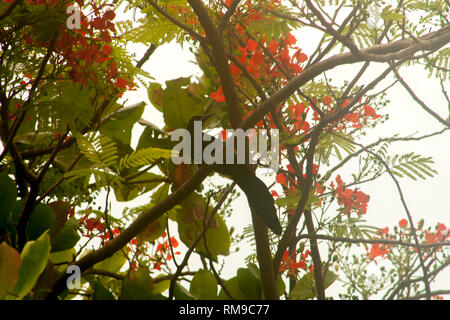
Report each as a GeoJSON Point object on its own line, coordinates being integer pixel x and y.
{"type": "Point", "coordinates": [220, 62]}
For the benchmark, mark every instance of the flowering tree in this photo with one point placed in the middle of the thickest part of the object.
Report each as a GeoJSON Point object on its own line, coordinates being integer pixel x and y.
{"type": "Point", "coordinates": [66, 140]}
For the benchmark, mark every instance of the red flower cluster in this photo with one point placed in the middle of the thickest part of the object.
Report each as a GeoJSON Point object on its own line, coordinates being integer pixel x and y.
{"type": "Point", "coordinates": [441, 234]}
{"type": "Point", "coordinates": [163, 251]}
{"type": "Point", "coordinates": [265, 60]}
{"type": "Point", "coordinates": [351, 200]}
{"type": "Point", "coordinates": [86, 49]}
{"type": "Point", "coordinates": [288, 263]}
{"type": "Point", "coordinates": [91, 224]}
{"type": "Point", "coordinates": [298, 113]}
{"type": "Point", "coordinates": [378, 250]}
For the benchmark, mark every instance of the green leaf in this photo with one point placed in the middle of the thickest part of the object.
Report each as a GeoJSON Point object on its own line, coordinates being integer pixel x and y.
{"type": "Point", "coordinates": [143, 157]}
{"type": "Point", "coordinates": [249, 283]}
{"type": "Point", "coordinates": [61, 210]}
{"type": "Point", "coordinates": [62, 257]}
{"type": "Point", "coordinates": [100, 150]}
{"type": "Point", "coordinates": [67, 237]}
{"type": "Point", "coordinates": [305, 287]}
{"type": "Point", "coordinates": [291, 201]}
{"type": "Point", "coordinates": [8, 195]}
{"type": "Point", "coordinates": [161, 286]}
{"type": "Point", "coordinates": [138, 286]}
{"type": "Point", "coordinates": [154, 230]}
{"type": "Point", "coordinates": [388, 15]}
{"type": "Point", "coordinates": [112, 264]}
{"type": "Point", "coordinates": [9, 268]}
{"type": "Point", "coordinates": [120, 125]}
{"type": "Point", "coordinates": [152, 136]}
{"type": "Point", "coordinates": [179, 105]}
{"type": "Point", "coordinates": [180, 293]}
{"type": "Point", "coordinates": [34, 260]}
{"type": "Point", "coordinates": [217, 237]}
{"type": "Point", "coordinates": [234, 289]}
{"type": "Point", "coordinates": [76, 108]}
{"type": "Point", "coordinates": [155, 95]}
{"type": "Point", "coordinates": [204, 285]}
{"type": "Point", "coordinates": [135, 187]}
{"type": "Point", "coordinates": [41, 219]}
{"type": "Point", "coordinates": [101, 293]}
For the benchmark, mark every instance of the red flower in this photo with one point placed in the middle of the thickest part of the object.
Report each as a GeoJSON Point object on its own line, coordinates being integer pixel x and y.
{"type": "Point", "coordinates": [174, 242]}
{"type": "Point", "coordinates": [384, 231]}
{"type": "Point", "coordinates": [403, 223]}
{"type": "Point", "coordinates": [218, 95]}
{"type": "Point", "coordinates": [109, 15]}
{"type": "Point", "coordinates": [378, 250]}
{"type": "Point", "coordinates": [234, 69]}
{"type": "Point", "coordinates": [274, 193]}
{"type": "Point", "coordinates": [273, 46]}
{"type": "Point", "coordinates": [300, 56]}
{"type": "Point", "coordinates": [281, 178]}
{"type": "Point", "coordinates": [327, 100]}
{"type": "Point", "coordinates": [369, 111]}
{"type": "Point", "coordinates": [107, 49]}
{"type": "Point", "coordinates": [352, 117]}
{"type": "Point", "coordinates": [291, 40]}
{"type": "Point", "coordinates": [251, 45]}
{"type": "Point", "coordinates": [121, 83]}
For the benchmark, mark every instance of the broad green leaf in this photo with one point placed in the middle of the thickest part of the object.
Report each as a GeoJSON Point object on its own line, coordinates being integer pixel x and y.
{"type": "Point", "coordinates": [67, 237]}
{"type": "Point", "coordinates": [135, 187]}
{"type": "Point", "coordinates": [138, 286]}
{"type": "Point", "coordinates": [112, 264]}
{"type": "Point", "coordinates": [41, 219]}
{"type": "Point", "coordinates": [62, 257]}
{"type": "Point", "coordinates": [305, 287]}
{"type": "Point", "coordinates": [234, 289]}
{"type": "Point", "coordinates": [249, 284]}
{"type": "Point", "coordinates": [121, 123]}
{"type": "Point", "coordinates": [161, 286]}
{"type": "Point", "coordinates": [204, 285]}
{"type": "Point", "coordinates": [61, 210]}
{"type": "Point", "coordinates": [76, 108]}
{"type": "Point", "coordinates": [101, 293]}
{"type": "Point", "coordinates": [155, 95]}
{"type": "Point", "coordinates": [152, 136]}
{"type": "Point", "coordinates": [34, 260]}
{"type": "Point", "coordinates": [179, 105]}
{"type": "Point", "coordinates": [9, 268]}
{"type": "Point", "coordinates": [180, 293]}
{"type": "Point", "coordinates": [154, 230]}
{"type": "Point", "coordinates": [218, 237]}
{"type": "Point", "coordinates": [35, 138]}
